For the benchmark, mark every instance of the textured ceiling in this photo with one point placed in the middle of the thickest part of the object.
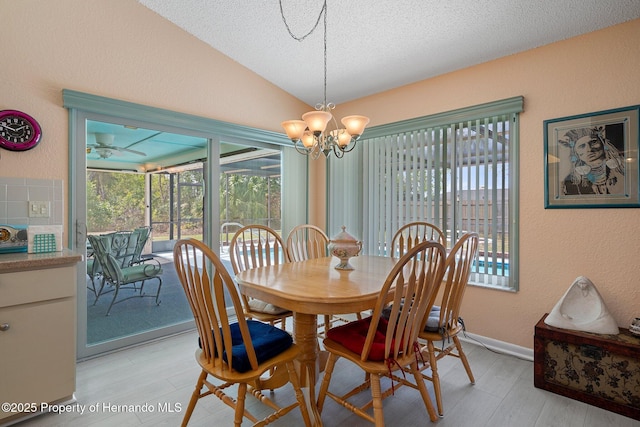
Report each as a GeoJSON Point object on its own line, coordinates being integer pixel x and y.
{"type": "Point", "coordinates": [381, 44]}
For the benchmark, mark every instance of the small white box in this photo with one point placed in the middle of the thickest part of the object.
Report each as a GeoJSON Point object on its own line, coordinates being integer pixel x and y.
{"type": "Point", "coordinates": [43, 245]}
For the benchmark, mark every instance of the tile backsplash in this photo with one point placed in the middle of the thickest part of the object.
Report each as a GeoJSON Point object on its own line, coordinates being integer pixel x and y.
{"type": "Point", "coordinates": [16, 193]}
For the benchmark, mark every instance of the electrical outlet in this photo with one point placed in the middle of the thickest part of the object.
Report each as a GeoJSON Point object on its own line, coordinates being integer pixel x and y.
{"type": "Point", "coordinates": [39, 209]}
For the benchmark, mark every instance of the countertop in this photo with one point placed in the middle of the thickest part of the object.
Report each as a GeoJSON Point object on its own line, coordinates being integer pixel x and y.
{"type": "Point", "coordinates": [23, 261]}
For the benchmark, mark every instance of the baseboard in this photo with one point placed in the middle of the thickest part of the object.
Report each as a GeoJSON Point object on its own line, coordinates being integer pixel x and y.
{"type": "Point", "coordinates": [498, 346]}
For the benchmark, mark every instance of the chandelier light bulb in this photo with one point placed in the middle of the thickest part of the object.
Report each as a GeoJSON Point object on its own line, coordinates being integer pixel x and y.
{"type": "Point", "coordinates": [341, 136]}
{"type": "Point", "coordinates": [355, 125]}
{"type": "Point", "coordinates": [294, 129]}
{"type": "Point", "coordinates": [308, 140]}
{"type": "Point", "coordinates": [316, 120]}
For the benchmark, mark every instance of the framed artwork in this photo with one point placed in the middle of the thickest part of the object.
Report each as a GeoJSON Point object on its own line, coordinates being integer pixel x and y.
{"type": "Point", "coordinates": [591, 160]}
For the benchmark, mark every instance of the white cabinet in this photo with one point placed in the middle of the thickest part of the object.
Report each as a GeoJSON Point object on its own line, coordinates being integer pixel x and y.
{"type": "Point", "coordinates": [37, 336]}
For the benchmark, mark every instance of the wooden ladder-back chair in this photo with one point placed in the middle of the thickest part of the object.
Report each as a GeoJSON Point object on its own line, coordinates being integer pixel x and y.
{"type": "Point", "coordinates": [413, 233]}
{"type": "Point", "coordinates": [308, 242]}
{"type": "Point", "coordinates": [238, 353]}
{"type": "Point", "coordinates": [444, 322]}
{"type": "Point", "coordinates": [380, 347]}
{"type": "Point", "coordinates": [255, 246]}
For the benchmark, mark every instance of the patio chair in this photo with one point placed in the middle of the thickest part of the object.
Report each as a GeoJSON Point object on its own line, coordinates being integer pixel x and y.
{"type": "Point", "coordinates": [381, 347]}
{"type": "Point", "coordinates": [141, 236]}
{"type": "Point", "coordinates": [444, 322]}
{"type": "Point", "coordinates": [413, 233]}
{"type": "Point", "coordinates": [126, 246]}
{"type": "Point", "coordinates": [308, 241]}
{"type": "Point", "coordinates": [255, 246]}
{"type": "Point", "coordinates": [93, 270]}
{"type": "Point", "coordinates": [240, 353]}
{"type": "Point", "coordinates": [120, 269]}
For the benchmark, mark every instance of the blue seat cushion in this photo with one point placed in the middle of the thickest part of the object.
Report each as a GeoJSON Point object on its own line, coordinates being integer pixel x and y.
{"type": "Point", "coordinates": [268, 341]}
{"type": "Point", "coordinates": [353, 335]}
{"type": "Point", "coordinates": [433, 321]}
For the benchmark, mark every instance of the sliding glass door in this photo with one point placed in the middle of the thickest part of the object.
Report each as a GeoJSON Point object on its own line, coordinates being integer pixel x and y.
{"type": "Point", "coordinates": [119, 183]}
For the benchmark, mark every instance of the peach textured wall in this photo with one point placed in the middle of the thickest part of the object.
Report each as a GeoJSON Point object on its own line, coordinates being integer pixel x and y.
{"type": "Point", "coordinates": [594, 72]}
{"type": "Point", "coordinates": [120, 49]}
{"type": "Point", "coordinates": [117, 49]}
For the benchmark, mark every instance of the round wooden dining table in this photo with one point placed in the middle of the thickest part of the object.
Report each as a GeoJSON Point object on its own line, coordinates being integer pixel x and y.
{"type": "Point", "coordinates": [314, 287]}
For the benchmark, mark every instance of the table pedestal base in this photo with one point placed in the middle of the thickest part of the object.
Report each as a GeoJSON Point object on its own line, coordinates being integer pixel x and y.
{"type": "Point", "coordinates": [305, 328]}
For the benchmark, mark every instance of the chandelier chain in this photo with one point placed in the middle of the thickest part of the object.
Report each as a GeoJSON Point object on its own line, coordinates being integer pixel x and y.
{"type": "Point", "coordinates": [293, 36]}
{"type": "Point", "coordinates": [323, 11]}
{"type": "Point", "coordinates": [325, 55]}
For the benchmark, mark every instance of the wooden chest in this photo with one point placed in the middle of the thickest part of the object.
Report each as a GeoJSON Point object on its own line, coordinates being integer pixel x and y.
{"type": "Point", "coordinates": [601, 370]}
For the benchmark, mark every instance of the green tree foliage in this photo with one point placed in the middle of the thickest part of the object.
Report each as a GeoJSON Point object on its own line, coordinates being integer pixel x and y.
{"type": "Point", "coordinates": [115, 201]}
{"type": "Point", "coordinates": [185, 190]}
{"type": "Point", "coordinates": [247, 198]}
{"type": "Point", "coordinates": [191, 200]}
{"type": "Point", "coordinates": [160, 197]}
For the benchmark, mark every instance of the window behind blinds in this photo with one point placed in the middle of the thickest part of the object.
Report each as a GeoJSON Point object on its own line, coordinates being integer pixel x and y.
{"type": "Point", "coordinates": [460, 175]}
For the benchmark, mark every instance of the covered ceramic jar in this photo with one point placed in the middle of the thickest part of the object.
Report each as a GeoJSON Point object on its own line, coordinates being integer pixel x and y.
{"type": "Point", "coordinates": [344, 246]}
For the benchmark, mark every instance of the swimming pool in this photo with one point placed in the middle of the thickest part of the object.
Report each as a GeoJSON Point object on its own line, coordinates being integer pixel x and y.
{"type": "Point", "coordinates": [487, 267]}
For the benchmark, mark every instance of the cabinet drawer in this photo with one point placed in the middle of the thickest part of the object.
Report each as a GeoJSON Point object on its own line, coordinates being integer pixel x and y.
{"type": "Point", "coordinates": [37, 285]}
{"type": "Point", "coordinates": [37, 352]}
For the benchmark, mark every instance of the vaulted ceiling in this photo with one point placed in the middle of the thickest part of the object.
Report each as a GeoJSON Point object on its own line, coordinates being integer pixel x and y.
{"type": "Point", "coordinates": [377, 45]}
{"type": "Point", "coordinates": [372, 46]}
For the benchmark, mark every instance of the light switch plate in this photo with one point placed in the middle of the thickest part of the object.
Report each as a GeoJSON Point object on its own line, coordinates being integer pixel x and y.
{"type": "Point", "coordinates": [39, 209]}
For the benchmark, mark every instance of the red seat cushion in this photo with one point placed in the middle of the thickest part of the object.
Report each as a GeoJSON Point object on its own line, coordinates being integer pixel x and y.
{"type": "Point", "coordinates": [353, 335]}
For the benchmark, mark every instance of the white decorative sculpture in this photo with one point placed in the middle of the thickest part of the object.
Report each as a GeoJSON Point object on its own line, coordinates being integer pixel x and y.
{"type": "Point", "coordinates": [582, 309]}
{"type": "Point", "coordinates": [344, 246]}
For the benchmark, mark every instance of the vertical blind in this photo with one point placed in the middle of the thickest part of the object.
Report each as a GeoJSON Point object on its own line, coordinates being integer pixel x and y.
{"type": "Point", "coordinates": [457, 170]}
{"type": "Point", "coordinates": [454, 176]}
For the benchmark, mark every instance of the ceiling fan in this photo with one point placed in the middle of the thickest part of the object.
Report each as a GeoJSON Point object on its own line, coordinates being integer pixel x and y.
{"type": "Point", "coordinates": [105, 148]}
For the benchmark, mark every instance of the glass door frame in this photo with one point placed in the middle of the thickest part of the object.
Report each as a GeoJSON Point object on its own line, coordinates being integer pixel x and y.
{"type": "Point", "coordinates": [83, 107]}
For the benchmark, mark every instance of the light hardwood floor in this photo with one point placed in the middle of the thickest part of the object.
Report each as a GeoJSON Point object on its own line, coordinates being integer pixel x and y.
{"type": "Point", "coordinates": [160, 376]}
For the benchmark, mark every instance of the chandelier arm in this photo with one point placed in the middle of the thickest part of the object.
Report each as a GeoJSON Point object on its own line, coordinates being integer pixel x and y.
{"type": "Point", "coordinates": [349, 147]}
{"type": "Point", "coordinates": [293, 36]}
{"type": "Point", "coordinates": [315, 152]}
{"type": "Point", "coordinates": [303, 150]}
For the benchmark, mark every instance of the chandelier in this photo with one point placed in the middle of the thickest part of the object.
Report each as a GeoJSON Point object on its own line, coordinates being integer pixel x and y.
{"type": "Point", "coordinates": [310, 136]}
